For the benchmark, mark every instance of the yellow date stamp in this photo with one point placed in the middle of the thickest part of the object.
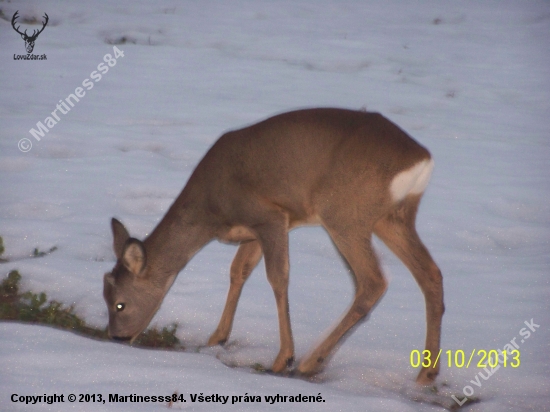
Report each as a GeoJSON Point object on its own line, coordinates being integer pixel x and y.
{"type": "Point", "coordinates": [459, 359]}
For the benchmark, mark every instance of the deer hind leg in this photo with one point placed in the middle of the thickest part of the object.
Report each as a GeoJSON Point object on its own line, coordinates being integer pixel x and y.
{"type": "Point", "coordinates": [246, 259]}
{"type": "Point", "coordinates": [370, 285]}
{"type": "Point", "coordinates": [397, 231]}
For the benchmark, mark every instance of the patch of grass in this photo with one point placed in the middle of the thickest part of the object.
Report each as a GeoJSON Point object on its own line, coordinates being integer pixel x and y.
{"type": "Point", "coordinates": [2, 260]}
{"type": "Point", "coordinates": [120, 40]}
{"type": "Point", "coordinates": [36, 308]}
{"type": "Point", "coordinates": [36, 253]}
{"type": "Point", "coordinates": [153, 338]}
{"type": "Point", "coordinates": [40, 253]}
{"type": "Point", "coordinates": [9, 290]}
{"type": "Point", "coordinates": [258, 367]}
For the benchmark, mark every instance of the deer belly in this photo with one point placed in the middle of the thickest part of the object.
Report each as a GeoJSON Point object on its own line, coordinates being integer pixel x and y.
{"type": "Point", "coordinates": [237, 234]}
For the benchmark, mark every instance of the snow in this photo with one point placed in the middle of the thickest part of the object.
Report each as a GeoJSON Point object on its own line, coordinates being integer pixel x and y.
{"type": "Point", "coordinates": [469, 80]}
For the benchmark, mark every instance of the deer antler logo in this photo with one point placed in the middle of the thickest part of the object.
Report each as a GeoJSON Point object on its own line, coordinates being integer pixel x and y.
{"type": "Point", "coordinates": [29, 40]}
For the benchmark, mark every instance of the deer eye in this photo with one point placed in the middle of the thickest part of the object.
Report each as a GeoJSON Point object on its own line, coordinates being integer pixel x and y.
{"type": "Point", "coordinates": [120, 307]}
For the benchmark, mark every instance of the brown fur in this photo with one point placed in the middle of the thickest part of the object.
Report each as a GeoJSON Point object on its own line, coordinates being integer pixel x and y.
{"type": "Point", "coordinates": [330, 167]}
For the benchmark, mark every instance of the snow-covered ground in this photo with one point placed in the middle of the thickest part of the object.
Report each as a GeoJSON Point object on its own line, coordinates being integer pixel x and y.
{"type": "Point", "coordinates": [470, 80]}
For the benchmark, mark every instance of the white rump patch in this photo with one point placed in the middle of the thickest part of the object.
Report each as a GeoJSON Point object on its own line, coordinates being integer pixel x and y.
{"type": "Point", "coordinates": [411, 181]}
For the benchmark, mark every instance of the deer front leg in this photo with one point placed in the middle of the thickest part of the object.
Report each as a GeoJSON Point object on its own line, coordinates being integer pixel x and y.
{"type": "Point", "coordinates": [274, 241]}
{"type": "Point", "coordinates": [246, 259]}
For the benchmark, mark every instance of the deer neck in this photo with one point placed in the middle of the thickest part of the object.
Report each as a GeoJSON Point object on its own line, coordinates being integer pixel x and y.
{"type": "Point", "coordinates": [175, 240]}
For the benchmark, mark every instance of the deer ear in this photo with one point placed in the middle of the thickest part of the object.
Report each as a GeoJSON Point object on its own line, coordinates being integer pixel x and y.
{"type": "Point", "coordinates": [133, 256]}
{"type": "Point", "coordinates": [109, 279]}
{"type": "Point", "coordinates": [120, 236]}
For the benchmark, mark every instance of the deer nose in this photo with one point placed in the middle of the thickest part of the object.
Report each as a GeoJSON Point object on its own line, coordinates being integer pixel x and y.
{"type": "Point", "coordinates": [121, 338]}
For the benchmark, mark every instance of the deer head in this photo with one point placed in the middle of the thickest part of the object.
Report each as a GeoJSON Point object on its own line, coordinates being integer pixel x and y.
{"type": "Point", "coordinates": [29, 40]}
{"type": "Point", "coordinates": [132, 298]}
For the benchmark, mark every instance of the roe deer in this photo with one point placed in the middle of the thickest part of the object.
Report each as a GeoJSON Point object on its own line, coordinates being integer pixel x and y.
{"type": "Point", "coordinates": [355, 173]}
